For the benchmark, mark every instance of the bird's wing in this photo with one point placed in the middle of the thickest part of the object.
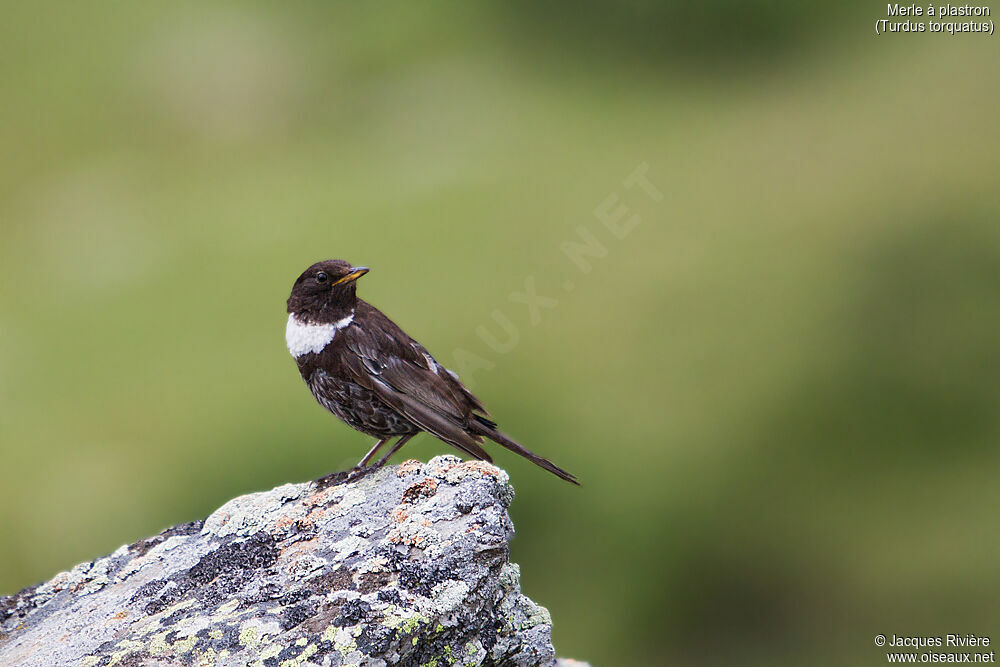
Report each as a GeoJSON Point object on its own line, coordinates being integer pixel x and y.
{"type": "Point", "coordinates": [398, 373]}
{"type": "Point", "coordinates": [456, 388]}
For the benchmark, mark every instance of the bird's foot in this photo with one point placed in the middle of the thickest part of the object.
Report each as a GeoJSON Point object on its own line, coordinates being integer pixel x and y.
{"type": "Point", "coordinates": [335, 478]}
{"type": "Point", "coordinates": [357, 472]}
{"type": "Point", "coordinates": [343, 477]}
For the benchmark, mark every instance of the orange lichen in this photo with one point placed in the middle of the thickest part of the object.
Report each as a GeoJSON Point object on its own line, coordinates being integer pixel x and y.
{"type": "Point", "coordinates": [425, 488]}
{"type": "Point", "coordinates": [408, 467]}
{"type": "Point", "coordinates": [280, 523]}
{"type": "Point", "coordinates": [320, 497]}
{"type": "Point", "coordinates": [480, 467]}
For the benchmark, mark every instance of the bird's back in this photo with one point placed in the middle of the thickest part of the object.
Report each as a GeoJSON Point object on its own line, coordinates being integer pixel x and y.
{"type": "Point", "coordinates": [390, 355]}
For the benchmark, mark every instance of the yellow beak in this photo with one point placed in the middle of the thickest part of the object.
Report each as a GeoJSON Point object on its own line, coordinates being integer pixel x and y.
{"type": "Point", "coordinates": [356, 272]}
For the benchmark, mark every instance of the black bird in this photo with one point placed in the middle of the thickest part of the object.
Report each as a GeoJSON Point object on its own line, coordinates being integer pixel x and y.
{"type": "Point", "coordinates": [365, 370]}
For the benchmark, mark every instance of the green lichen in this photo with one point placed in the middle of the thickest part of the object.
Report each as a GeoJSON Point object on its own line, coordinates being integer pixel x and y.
{"type": "Point", "coordinates": [390, 618]}
{"type": "Point", "coordinates": [216, 634]}
{"type": "Point", "coordinates": [205, 658]}
{"type": "Point", "coordinates": [539, 616]}
{"type": "Point", "coordinates": [176, 607]}
{"type": "Point", "coordinates": [298, 660]}
{"type": "Point", "coordinates": [159, 645]}
{"type": "Point", "coordinates": [147, 628]}
{"type": "Point", "coordinates": [249, 638]}
{"type": "Point", "coordinates": [89, 661]}
{"type": "Point", "coordinates": [411, 623]}
{"type": "Point", "coordinates": [126, 647]}
{"type": "Point", "coordinates": [208, 658]}
{"type": "Point", "coordinates": [271, 651]}
{"type": "Point", "coordinates": [228, 608]}
{"type": "Point", "coordinates": [182, 646]}
{"type": "Point", "coordinates": [439, 629]}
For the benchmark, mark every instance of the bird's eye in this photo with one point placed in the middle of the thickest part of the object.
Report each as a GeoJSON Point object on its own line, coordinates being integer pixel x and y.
{"type": "Point", "coordinates": [322, 277]}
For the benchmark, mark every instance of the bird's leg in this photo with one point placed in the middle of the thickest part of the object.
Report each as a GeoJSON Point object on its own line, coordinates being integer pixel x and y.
{"type": "Point", "coordinates": [395, 448]}
{"type": "Point", "coordinates": [362, 468]}
{"type": "Point", "coordinates": [371, 453]}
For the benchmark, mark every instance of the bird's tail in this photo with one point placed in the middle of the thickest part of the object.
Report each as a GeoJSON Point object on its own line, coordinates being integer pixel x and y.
{"type": "Point", "coordinates": [484, 426]}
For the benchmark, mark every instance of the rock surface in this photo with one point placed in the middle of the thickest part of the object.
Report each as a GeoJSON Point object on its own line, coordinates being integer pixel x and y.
{"type": "Point", "coordinates": [408, 565]}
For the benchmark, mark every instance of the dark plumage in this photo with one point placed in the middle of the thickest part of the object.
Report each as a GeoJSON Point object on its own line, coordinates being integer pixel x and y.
{"type": "Point", "coordinates": [365, 370]}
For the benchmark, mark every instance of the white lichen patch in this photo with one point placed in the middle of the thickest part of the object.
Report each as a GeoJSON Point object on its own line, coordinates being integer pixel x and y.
{"type": "Point", "coordinates": [191, 626]}
{"type": "Point", "coordinates": [172, 550]}
{"type": "Point", "coordinates": [46, 591]}
{"type": "Point", "coordinates": [146, 627]}
{"type": "Point", "coordinates": [440, 466]}
{"type": "Point", "coordinates": [250, 513]}
{"type": "Point", "coordinates": [377, 564]}
{"type": "Point", "coordinates": [301, 564]}
{"type": "Point", "coordinates": [119, 552]}
{"type": "Point", "coordinates": [184, 604]}
{"type": "Point", "coordinates": [344, 639]}
{"type": "Point", "coordinates": [438, 549]}
{"type": "Point", "coordinates": [352, 498]}
{"type": "Point", "coordinates": [349, 546]}
{"type": "Point", "coordinates": [226, 610]}
{"type": "Point", "coordinates": [476, 469]}
{"type": "Point", "coordinates": [361, 530]}
{"type": "Point", "coordinates": [96, 577]}
{"type": "Point", "coordinates": [448, 596]}
{"type": "Point", "coordinates": [510, 575]}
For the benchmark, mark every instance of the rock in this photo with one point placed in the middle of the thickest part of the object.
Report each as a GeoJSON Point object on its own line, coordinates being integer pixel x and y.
{"type": "Point", "coordinates": [408, 565]}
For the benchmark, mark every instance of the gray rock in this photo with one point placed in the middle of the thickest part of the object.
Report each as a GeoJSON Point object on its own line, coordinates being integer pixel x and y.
{"type": "Point", "coordinates": [406, 566]}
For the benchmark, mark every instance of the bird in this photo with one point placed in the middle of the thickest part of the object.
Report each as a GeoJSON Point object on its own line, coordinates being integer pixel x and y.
{"type": "Point", "coordinates": [370, 374]}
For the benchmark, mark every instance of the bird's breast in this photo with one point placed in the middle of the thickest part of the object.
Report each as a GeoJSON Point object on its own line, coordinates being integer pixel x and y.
{"type": "Point", "coordinates": [304, 338]}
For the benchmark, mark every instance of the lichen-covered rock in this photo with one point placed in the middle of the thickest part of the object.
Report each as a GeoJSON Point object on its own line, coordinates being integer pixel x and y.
{"type": "Point", "coordinates": [406, 566]}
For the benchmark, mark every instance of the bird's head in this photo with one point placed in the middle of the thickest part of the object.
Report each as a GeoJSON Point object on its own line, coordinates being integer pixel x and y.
{"type": "Point", "coordinates": [324, 292]}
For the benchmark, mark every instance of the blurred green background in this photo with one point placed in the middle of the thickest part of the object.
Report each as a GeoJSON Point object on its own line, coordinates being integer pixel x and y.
{"type": "Point", "coordinates": [779, 388]}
